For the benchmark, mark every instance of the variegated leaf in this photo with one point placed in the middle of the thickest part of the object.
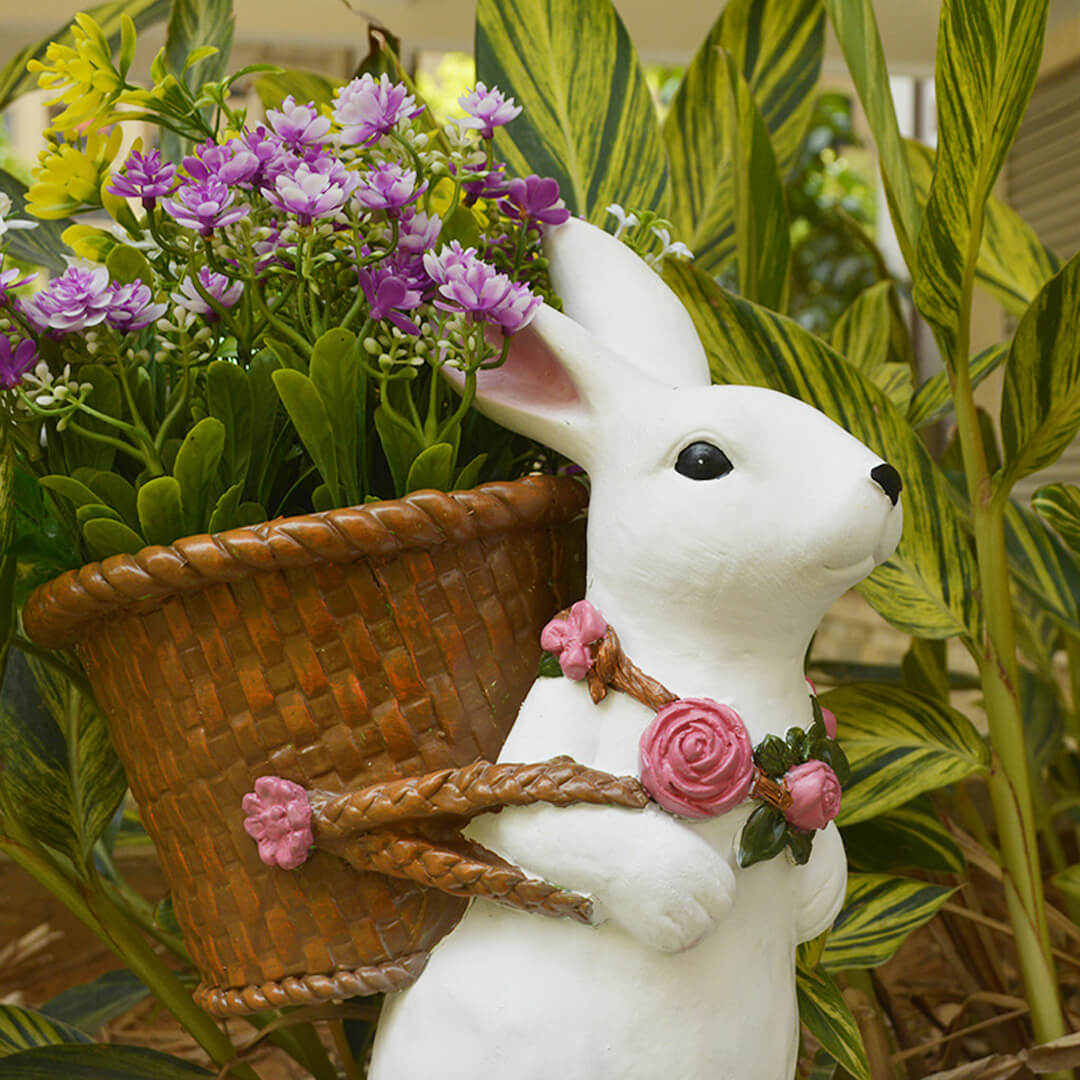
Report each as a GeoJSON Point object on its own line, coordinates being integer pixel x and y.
{"type": "Point", "coordinates": [777, 45]}
{"type": "Point", "coordinates": [878, 914]}
{"type": "Point", "coordinates": [900, 745]}
{"type": "Point", "coordinates": [988, 57]}
{"type": "Point", "coordinates": [97, 1062]}
{"type": "Point", "coordinates": [928, 587]}
{"type": "Point", "coordinates": [909, 837]}
{"type": "Point", "coordinates": [22, 1029]}
{"type": "Point", "coordinates": [1059, 506]}
{"type": "Point", "coordinates": [194, 24]}
{"type": "Point", "coordinates": [933, 400]}
{"type": "Point", "coordinates": [862, 336]}
{"type": "Point", "coordinates": [1043, 566]}
{"type": "Point", "coordinates": [588, 118]}
{"type": "Point", "coordinates": [92, 1005]}
{"type": "Point", "coordinates": [825, 1014]}
{"type": "Point", "coordinates": [302, 85]}
{"type": "Point", "coordinates": [42, 246]}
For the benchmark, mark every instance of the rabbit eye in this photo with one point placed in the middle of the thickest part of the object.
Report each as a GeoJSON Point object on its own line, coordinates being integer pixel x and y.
{"type": "Point", "coordinates": [703, 461]}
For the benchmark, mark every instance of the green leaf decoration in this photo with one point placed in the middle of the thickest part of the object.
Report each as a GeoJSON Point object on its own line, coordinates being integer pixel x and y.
{"type": "Point", "coordinates": [116, 492]}
{"type": "Point", "coordinates": [194, 24]}
{"type": "Point", "coordinates": [1043, 566]}
{"type": "Point", "coordinates": [855, 26]}
{"type": "Point", "coordinates": [92, 1005]}
{"type": "Point", "coordinates": [773, 756]}
{"type": "Point", "coordinates": [15, 80]}
{"type": "Point", "coordinates": [900, 744]}
{"type": "Point", "coordinates": [161, 510]}
{"type": "Point", "coordinates": [549, 667]}
{"type": "Point", "coordinates": [22, 1029]}
{"type": "Point", "coordinates": [862, 336]}
{"type": "Point", "coordinates": [763, 836]}
{"type": "Point", "coordinates": [988, 56]}
{"type": "Point", "coordinates": [97, 1062]}
{"type": "Point", "coordinates": [933, 400]}
{"type": "Point", "coordinates": [469, 476]}
{"type": "Point", "coordinates": [777, 46]}
{"type": "Point", "coordinates": [433, 468]}
{"type": "Point", "coordinates": [265, 413]}
{"type": "Point", "coordinates": [225, 511]}
{"type": "Point", "coordinates": [306, 409]}
{"type": "Point", "coordinates": [1040, 408]}
{"type": "Point", "coordinates": [196, 468]}
{"type": "Point", "coordinates": [801, 845]}
{"type": "Point", "coordinates": [127, 264]}
{"type": "Point", "coordinates": [928, 587]}
{"type": "Point", "coordinates": [78, 493]}
{"type": "Point", "coordinates": [1059, 506]}
{"type": "Point", "coordinates": [400, 449]}
{"type": "Point", "coordinates": [229, 399]}
{"type": "Point", "coordinates": [878, 914]}
{"type": "Point", "coordinates": [104, 538]}
{"type": "Point", "coordinates": [336, 374]}
{"type": "Point", "coordinates": [42, 245]}
{"type": "Point", "coordinates": [588, 118]}
{"type": "Point", "coordinates": [106, 398]}
{"type": "Point", "coordinates": [825, 1014]}
{"type": "Point", "coordinates": [908, 838]}
{"type": "Point", "coordinates": [95, 510]}
{"type": "Point", "coordinates": [925, 669]}
{"type": "Point", "coordinates": [302, 85]}
{"type": "Point", "coordinates": [250, 513]}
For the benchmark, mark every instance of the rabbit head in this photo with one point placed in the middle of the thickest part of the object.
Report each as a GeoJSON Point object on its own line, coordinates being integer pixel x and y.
{"type": "Point", "coordinates": [736, 511]}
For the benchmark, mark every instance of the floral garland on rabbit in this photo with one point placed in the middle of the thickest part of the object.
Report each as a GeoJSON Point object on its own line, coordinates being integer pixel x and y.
{"type": "Point", "coordinates": [695, 757]}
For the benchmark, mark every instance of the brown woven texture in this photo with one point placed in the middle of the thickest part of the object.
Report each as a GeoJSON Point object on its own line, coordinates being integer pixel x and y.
{"type": "Point", "coordinates": [337, 650]}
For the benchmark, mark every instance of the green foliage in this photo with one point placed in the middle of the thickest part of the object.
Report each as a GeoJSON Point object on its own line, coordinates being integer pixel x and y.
{"type": "Point", "coordinates": [826, 1016]}
{"type": "Point", "coordinates": [91, 1006]}
{"type": "Point", "coordinates": [22, 1029]}
{"type": "Point", "coordinates": [97, 1063]}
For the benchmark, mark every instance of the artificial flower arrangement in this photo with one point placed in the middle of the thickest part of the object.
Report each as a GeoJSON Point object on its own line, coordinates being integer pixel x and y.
{"type": "Point", "coordinates": [259, 329]}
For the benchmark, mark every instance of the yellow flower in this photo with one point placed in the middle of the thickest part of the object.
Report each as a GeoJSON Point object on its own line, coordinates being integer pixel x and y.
{"type": "Point", "coordinates": [84, 74]}
{"type": "Point", "coordinates": [69, 180]}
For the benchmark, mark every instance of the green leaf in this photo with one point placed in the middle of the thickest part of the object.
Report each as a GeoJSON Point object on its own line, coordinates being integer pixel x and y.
{"type": "Point", "coordinates": [15, 80]}
{"type": "Point", "coordinates": [933, 400]}
{"type": "Point", "coordinates": [1068, 881]}
{"type": "Point", "coordinates": [801, 845]}
{"type": "Point", "coordinates": [196, 469]}
{"type": "Point", "coordinates": [225, 511]}
{"type": "Point", "coordinates": [302, 85]}
{"type": "Point", "coordinates": [307, 411]}
{"type": "Point", "coordinates": [106, 398]}
{"type": "Point", "coordinates": [94, 510]}
{"type": "Point", "coordinates": [43, 245]}
{"type": "Point", "coordinates": [929, 586]}
{"type": "Point", "coordinates": [265, 411]}
{"type": "Point", "coordinates": [229, 399]}
{"type": "Point", "coordinates": [822, 1068]}
{"type": "Point", "coordinates": [1059, 506]}
{"type": "Point", "coordinates": [92, 1005]}
{"type": "Point", "coordinates": [105, 538]}
{"type": "Point", "coordinates": [1040, 408]}
{"type": "Point", "coordinates": [192, 25]}
{"type": "Point", "coordinates": [908, 838]}
{"type": "Point", "coordinates": [925, 668]}
{"type": "Point", "coordinates": [1043, 566]}
{"type": "Point", "coordinates": [433, 468]}
{"type": "Point", "coordinates": [825, 1014]}
{"type": "Point", "coordinates": [116, 492]}
{"type": "Point", "coordinates": [878, 914]}
{"type": "Point", "coordinates": [1044, 721]}
{"type": "Point", "coordinates": [549, 667]}
{"type": "Point", "coordinates": [988, 57]}
{"type": "Point", "coordinates": [777, 45]}
{"type": "Point", "coordinates": [336, 374]}
{"type": "Point", "coordinates": [97, 1063]}
{"type": "Point", "coordinates": [127, 264]}
{"type": "Point", "coordinates": [161, 510]}
{"type": "Point", "coordinates": [588, 118]}
{"type": "Point", "coordinates": [763, 836]}
{"type": "Point", "coordinates": [399, 447]}
{"type": "Point", "coordinates": [22, 1029]}
{"type": "Point", "coordinates": [77, 493]}
{"type": "Point", "coordinates": [862, 336]}
{"type": "Point", "coordinates": [900, 744]}
{"type": "Point", "coordinates": [773, 756]}
{"type": "Point", "coordinates": [469, 476]}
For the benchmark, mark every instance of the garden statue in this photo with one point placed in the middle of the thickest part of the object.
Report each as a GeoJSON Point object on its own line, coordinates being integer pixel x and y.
{"type": "Point", "coordinates": [723, 522]}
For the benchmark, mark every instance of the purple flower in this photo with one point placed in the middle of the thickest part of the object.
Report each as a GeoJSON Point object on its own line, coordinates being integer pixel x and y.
{"type": "Point", "coordinates": [216, 285]}
{"type": "Point", "coordinates": [534, 199]}
{"type": "Point", "coordinates": [270, 152]}
{"type": "Point", "coordinates": [205, 205]}
{"type": "Point", "coordinates": [486, 185]}
{"type": "Point", "coordinates": [78, 299]}
{"type": "Point", "coordinates": [9, 280]}
{"type": "Point", "coordinates": [467, 283]}
{"type": "Point", "coordinates": [313, 190]}
{"type": "Point", "coordinates": [14, 363]}
{"type": "Point", "coordinates": [487, 109]}
{"type": "Point", "coordinates": [389, 294]}
{"type": "Point", "coordinates": [146, 178]}
{"type": "Point", "coordinates": [367, 109]}
{"type": "Point", "coordinates": [388, 187]}
{"type": "Point", "coordinates": [298, 125]}
{"type": "Point", "coordinates": [132, 308]}
{"type": "Point", "coordinates": [233, 162]}
{"type": "Point", "coordinates": [418, 232]}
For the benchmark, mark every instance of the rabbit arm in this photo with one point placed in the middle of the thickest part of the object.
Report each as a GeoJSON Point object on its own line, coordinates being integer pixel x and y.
{"type": "Point", "coordinates": [822, 885]}
{"type": "Point", "coordinates": [648, 873]}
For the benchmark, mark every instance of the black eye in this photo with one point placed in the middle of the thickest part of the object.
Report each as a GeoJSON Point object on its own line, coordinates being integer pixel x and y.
{"type": "Point", "coordinates": [703, 461]}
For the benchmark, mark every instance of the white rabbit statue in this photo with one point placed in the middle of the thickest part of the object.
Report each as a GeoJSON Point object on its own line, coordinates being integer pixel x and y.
{"type": "Point", "coordinates": [715, 566]}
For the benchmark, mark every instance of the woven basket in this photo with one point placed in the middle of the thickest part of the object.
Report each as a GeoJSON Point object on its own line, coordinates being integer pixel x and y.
{"type": "Point", "coordinates": [336, 650]}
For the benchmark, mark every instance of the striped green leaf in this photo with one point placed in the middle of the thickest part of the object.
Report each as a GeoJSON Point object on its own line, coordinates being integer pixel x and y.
{"type": "Point", "coordinates": [1013, 264]}
{"type": "Point", "coordinates": [862, 336]}
{"type": "Point", "coordinates": [856, 29]}
{"type": "Point", "coordinates": [41, 246]}
{"type": "Point", "coordinates": [900, 745]}
{"type": "Point", "coordinates": [302, 85]}
{"type": "Point", "coordinates": [194, 24]}
{"type": "Point", "coordinates": [91, 1006]}
{"type": "Point", "coordinates": [878, 914]}
{"type": "Point", "coordinates": [823, 1067]}
{"type": "Point", "coordinates": [825, 1014]}
{"type": "Point", "coordinates": [933, 400]}
{"type": "Point", "coordinates": [588, 117]}
{"type": "Point", "coordinates": [988, 56]}
{"type": "Point", "coordinates": [23, 1029]}
{"type": "Point", "coordinates": [97, 1063]}
{"type": "Point", "coordinates": [907, 838]}
{"type": "Point", "coordinates": [1040, 407]}
{"type": "Point", "coordinates": [1042, 565]}
{"type": "Point", "coordinates": [15, 80]}
{"type": "Point", "coordinates": [1059, 506]}
{"type": "Point", "coordinates": [762, 230]}
{"type": "Point", "coordinates": [1044, 719]}
{"type": "Point", "coordinates": [777, 45]}
{"type": "Point", "coordinates": [928, 587]}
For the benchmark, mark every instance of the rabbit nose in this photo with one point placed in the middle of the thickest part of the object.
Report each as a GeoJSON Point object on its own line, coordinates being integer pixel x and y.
{"type": "Point", "coordinates": [888, 479]}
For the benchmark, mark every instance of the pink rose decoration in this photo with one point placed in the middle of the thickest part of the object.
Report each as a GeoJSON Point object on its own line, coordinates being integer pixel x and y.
{"type": "Point", "coordinates": [696, 758]}
{"type": "Point", "coordinates": [828, 717]}
{"type": "Point", "coordinates": [815, 795]}
{"type": "Point", "coordinates": [569, 639]}
{"type": "Point", "coordinates": [279, 818]}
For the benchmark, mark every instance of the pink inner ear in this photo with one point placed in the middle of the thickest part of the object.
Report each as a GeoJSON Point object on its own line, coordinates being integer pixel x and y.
{"type": "Point", "coordinates": [531, 379]}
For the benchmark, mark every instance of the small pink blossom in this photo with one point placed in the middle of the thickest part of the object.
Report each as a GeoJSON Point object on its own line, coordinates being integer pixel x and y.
{"type": "Point", "coordinates": [570, 638]}
{"type": "Point", "coordinates": [696, 758]}
{"type": "Point", "coordinates": [279, 818]}
{"type": "Point", "coordinates": [815, 795]}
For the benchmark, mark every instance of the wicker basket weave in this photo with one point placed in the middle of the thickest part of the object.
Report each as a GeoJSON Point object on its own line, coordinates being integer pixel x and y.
{"type": "Point", "coordinates": [336, 650]}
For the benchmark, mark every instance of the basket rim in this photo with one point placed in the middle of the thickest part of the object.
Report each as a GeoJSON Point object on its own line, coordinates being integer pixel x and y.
{"type": "Point", "coordinates": [58, 612]}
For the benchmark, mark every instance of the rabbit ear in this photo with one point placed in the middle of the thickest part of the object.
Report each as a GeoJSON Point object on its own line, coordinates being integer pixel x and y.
{"type": "Point", "coordinates": [615, 295]}
{"type": "Point", "coordinates": [556, 381]}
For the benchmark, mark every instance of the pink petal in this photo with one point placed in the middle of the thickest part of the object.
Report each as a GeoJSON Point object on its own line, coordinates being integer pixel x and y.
{"type": "Point", "coordinates": [587, 622]}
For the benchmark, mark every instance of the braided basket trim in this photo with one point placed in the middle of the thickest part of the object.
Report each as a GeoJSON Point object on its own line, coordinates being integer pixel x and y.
{"type": "Point", "coordinates": [57, 612]}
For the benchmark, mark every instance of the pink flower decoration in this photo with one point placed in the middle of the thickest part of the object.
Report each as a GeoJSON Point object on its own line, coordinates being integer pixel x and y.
{"type": "Point", "coordinates": [696, 758]}
{"type": "Point", "coordinates": [828, 717]}
{"type": "Point", "coordinates": [570, 638]}
{"type": "Point", "coordinates": [279, 818]}
{"type": "Point", "coordinates": [815, 795]}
